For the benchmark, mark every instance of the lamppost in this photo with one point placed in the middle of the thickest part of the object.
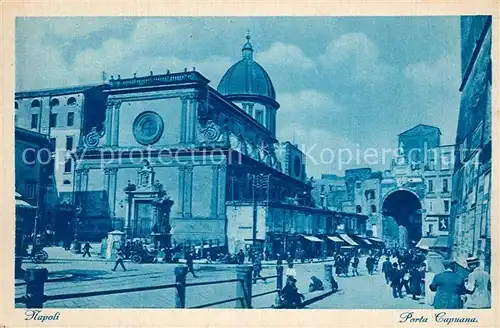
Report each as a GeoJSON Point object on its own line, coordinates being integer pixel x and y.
{"type": "Point", "coordinates": [259, 181]}
{"type": "Point", "coordinates": [77, 246]}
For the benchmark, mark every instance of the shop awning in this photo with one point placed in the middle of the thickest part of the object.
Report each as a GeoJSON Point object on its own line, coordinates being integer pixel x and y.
{"type": "Point", "coordinates": [335, 239]}
{"type": "Point", "coordinates": [426, 242]}
{"type": "Point", "coordinates": [377, 240]}
{"type": "Point", "coordinates": [348, 240]}
{"type": "Point", "coordinates": [441, 242]}
{"type": "Point", "coordinates": [313, 239]}
{"type": "Point", "coordinates": [363, 240]}
{"type": "Point", "coordinates": [23, 204]}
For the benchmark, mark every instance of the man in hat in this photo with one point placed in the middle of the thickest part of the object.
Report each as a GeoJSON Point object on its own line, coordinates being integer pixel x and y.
{"type": "Point", "coordinates": [449, 287]}
{"type": "Point", "coordinates": [290, 296]}
{"type": "Point", "coordinates": [478, 286]}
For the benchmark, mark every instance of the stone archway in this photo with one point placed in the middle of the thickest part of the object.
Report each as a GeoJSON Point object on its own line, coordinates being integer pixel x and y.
{"type": "Point", "coordinates": [404, 209]}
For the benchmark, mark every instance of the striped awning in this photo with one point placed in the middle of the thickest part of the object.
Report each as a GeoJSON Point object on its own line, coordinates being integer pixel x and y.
{"type": "Point", "coordinates": [313, 239]}
{"type": "Point", "coordinates": [348, 239]}
{"type": "Point", "coordinates": [335, 239]}
{"type": "Point", "coordinates": [425, 243]}
{"type": "Point", "coordinates": [364, 240]}
{"type": "Point", "coordinates": [23, 204]}
{"type": "Point", "coordinates": [377, 240]}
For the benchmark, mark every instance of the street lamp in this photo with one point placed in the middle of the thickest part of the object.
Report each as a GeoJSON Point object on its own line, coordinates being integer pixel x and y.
{"type": "Point", "coordinates": [77, 246]}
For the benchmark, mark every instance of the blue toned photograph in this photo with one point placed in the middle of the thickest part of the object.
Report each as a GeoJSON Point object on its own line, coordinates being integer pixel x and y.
{"type": "Point", "coordinates": [253, 162]}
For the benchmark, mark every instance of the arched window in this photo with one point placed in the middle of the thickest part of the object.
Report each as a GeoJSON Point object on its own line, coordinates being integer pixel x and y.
{"type": "Point", "coordinates": [35, 103]}
{"type": "Point", "coordinates": [71, 101]}
{"type": "Point", "coordinates": [66, 182]}
{"type": "Point", "coordinates": [54, 102]}
{"type": "Point", "coordinates": [16, 106]}
{"type": "Point", "coordinates": [358, 209]}
{"type": "Point", "coordinates": [374, 208]}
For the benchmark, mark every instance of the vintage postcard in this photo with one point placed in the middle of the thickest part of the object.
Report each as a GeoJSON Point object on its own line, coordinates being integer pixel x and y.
{"type": "Point", "coordinates": [201, 156]}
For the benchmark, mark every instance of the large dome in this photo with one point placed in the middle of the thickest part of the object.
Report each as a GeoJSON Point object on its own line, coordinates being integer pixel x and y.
{"type": "Point", "coordinates": [246, 78]}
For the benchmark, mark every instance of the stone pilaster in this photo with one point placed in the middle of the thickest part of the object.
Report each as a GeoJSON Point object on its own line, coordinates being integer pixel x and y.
{"type": "Point", "coordinates": [194, 119]}
{"type": "Point", "coordinates": [215, 191]}
{"type": "Point", "coordinates": [188, 191]}
{"type": "Point", "coordinates": [116, 124]}
{"type": "Point", "coordinates": [106, 172]}
{"type": "Point", "coordinates": [182, 171]}
{"type": "Point", "coordinates": [112, 190]}
{"type": "Point", "coordinates": [184, 119]}
{"type": "Point", "coordinates": [109, 122]}
{"type": "Point", "coordinates": [191, 117]}
{"type": "Point", "coordinates": [221, 213]}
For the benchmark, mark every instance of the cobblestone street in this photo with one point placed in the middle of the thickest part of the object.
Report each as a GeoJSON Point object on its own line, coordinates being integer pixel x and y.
{"type": "Point", "coordinates": [94, 274]}
{"type": "Point", "coordinates": [366, 292]}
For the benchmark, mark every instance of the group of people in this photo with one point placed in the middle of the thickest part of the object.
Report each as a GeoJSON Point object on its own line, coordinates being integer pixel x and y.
{"type": "Point", "coordinates": [347, 263]}
{"type": "Point", "coordinates": [406, 271]}
{"type": "Point", "coordinates": [454, 292]}
{"type": "Point", "coordinates": [407, 275]}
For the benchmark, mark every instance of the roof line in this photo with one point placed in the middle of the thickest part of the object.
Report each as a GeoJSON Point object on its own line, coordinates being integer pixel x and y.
{"type": "Point", "coordinates": [430, 126]}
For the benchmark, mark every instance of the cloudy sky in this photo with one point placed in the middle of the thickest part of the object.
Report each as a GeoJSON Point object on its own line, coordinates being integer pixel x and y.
{"type": "Point", "coordinates": [343, 83]}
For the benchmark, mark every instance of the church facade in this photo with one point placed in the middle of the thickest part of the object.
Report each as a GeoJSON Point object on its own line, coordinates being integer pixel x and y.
{"type": "Point", "coordinates": [209, 151]}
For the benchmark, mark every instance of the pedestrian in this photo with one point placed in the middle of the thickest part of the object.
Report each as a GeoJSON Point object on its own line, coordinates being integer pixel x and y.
{"type": "Point", "coordinates": [369, 264]}
{"type": "Point", "coordinates": [290, 296]}
{"type": "Point", "coordinates": [405, 282]}
{"type": "Point", "coordinates": [241, 257]}
{"type": "Point", "coordinates": [190, 263]}
{"type": "Point", "coordinates": [338, 265]}
{"type": "Point", "coordinates": [86, 249]}
{"type": "Point", "coordinates": [289, 258]}
{"type": "Point", "coordinates": [167, 255]}
{"type": "Point", "coordinates": [478, 286]}
{"type": "Point", "coordinates": [449, 288]}
{"type": "Point", "coordinates": [415, 279]}
{"type": "Point", "coordinates": [315, 284]}
{"type": "Point", "coordinates": [119, 260]}
{"type": "Point", "coordinates": [346, 261]}
{"type": "Point", "coordinates": [257, 267]}
{"type": "Point", "coordinates": [386, 268]}
{"type": "Point", "coordinates": [251, 256]}
{"type": "Point", "coordinates": [422, 269]}
{"type": "Point", "coordinates": [355, 263]}
{"type": "Point", "coordinates": [396, 276]}
{"type": "Point", "coordinates": [290, 271]}
{"type": "Point", "coordinates": [279, 260]}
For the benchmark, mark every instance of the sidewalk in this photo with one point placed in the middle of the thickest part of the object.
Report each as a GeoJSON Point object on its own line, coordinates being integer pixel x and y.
{"type": "Point", "coordinates": [57, 253]}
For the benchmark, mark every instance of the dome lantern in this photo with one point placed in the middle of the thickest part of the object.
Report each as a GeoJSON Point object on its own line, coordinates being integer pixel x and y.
{"type": "Point", "coordinates": [247, 50]}
{"type": "Point", "coordinates": [247, 81]}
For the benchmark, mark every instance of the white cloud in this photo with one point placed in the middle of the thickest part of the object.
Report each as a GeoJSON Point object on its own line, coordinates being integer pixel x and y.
{"type": "Point", "coordinates": [441, 72]}
{"type": "Point", "coordinates": [286, 56]}
{"type": "Point", "coordinates": [307, 99]}
{"type": "Point", "coordinates": [147, 49]}
{"type": "Point", "coordinates": [75, 27]}
{"type": "Point", "coordinates": [353, 56]}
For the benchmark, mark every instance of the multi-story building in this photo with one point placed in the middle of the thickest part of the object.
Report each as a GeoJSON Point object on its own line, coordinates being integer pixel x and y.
{"type": "Point", "coordinates": [135, 141]}
{"type": "Point", "coordinates": [470, 232]}
{"type": "Point", "coordinates": [32, 178]}
{"type": "Point", "coordinates": [329, 192]}
{"type": "Point", "coordinates": [416, 142]}
{"type": "Point", "coordinates": [437, 203]}
{"type": "Point", "coordinates": [57, 114]}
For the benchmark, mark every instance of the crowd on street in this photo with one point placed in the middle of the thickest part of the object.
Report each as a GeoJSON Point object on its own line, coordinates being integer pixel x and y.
{"type": "Point", "coordinates": [404, 271]}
